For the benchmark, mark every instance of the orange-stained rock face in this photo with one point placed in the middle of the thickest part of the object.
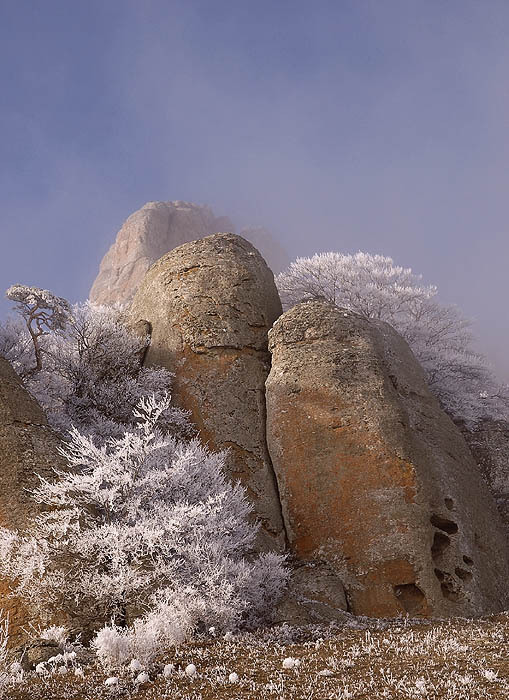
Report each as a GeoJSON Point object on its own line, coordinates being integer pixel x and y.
{"type": "Point", "coordinates": [374, 478]}
{"type": "Point", "coordinates": [210, 304]}
{"type": "Point", "coordinates": [28, 447]}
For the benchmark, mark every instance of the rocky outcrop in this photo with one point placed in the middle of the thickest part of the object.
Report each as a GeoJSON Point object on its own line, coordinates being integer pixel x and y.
{"type": "Point", "coordinates": [154, 230]}
{"type": "Point", "coordinates": [489, 444]}
{"type": "Point", "coordinates": [374, 478]}
{"type": "Point", "coordinates": [28, 447]}
{"type": "Point", "coordinates": [209, 305]}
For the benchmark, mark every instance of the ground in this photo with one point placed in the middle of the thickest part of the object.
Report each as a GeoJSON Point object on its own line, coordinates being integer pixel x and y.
{"type": "Point", "coordinates": [405, 660]}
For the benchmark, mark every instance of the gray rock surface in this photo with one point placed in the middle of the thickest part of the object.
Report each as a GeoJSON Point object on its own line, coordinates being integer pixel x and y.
{"type": "Point", "coordinates": [28, 447]}
{"type": "Point", "coordinates": [489, 444]}
{"type": "Point", "coordinates": [315, 595]}
{"type": "Point", "coordinates": [154, 230]}
{"type": "Point", "coordinates": [374, 477]}
{"type": "Point", "coordinates": [209, 305]}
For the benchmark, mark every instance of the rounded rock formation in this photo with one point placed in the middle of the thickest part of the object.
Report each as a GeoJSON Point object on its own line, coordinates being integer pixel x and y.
{"type": "Point", "coordinates": [374, 478]}
{"type": "Point", "coordinates": [208, 305]}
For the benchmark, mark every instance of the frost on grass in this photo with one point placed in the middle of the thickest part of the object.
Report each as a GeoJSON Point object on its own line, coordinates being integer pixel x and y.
{"type": "Point", "coordinates": [393, 660]}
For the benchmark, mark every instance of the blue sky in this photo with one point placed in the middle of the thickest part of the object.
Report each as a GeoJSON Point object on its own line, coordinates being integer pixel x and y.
{"type": "Point", "coordinates": [380, 126]}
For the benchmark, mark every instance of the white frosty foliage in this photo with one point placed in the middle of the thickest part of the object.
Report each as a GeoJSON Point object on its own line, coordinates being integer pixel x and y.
{"type": "Point", "coordinates": [374, 287]}
{"type": "Point", "coordinates": [55, 633]}
{"type": "Point", "coordinates": [145, 521]}
{"type": "Point", "coordinates": [89, 371]}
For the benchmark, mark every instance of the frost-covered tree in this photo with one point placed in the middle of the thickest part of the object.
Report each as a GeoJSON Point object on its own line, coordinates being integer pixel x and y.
{"type": "Point", "coordinates": [440, 337]}
{"type": "Point", "coordinates": [145, 522]}
{"type": "Point", "coordinates": [91, 375]}
{"type": "Point", "coordinates": [42, 312]}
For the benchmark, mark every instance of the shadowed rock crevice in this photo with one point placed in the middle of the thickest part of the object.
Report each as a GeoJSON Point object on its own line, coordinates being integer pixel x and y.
{"type": "Point", "coordinates": [441, 544]}
{"type": "Point", "coordinates": [411, 598]}
{"type": "Point", "coordinates": [444, 524]}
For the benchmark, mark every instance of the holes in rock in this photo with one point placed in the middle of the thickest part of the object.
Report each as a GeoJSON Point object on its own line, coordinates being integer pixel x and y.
{"type": "Point", "coordinates": [449, 503]}
{"type": "Point", "coordinates": [444, 524]}
{"type": "Point", "coordinates": [394, 381]}
{"type": "Point", "coordinates": [449, 590]}
{"type": "Point", "coordinates": [467, 560]}
{"type": "Point", "coordinates": [439, 574]}
{"type": "Point", "coordinates": [440, 544]}
{"type": "Point", "coordinates": [463, 574]}
{"type": "Point", "coordinates": [411, 597]}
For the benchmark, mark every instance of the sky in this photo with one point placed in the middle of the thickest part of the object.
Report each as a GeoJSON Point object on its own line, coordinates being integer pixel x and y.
{"type": "Point", "coordinates": [342, 125]}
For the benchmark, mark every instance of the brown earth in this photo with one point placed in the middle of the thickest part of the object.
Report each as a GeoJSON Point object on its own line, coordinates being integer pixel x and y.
{"type": "Point", "coordinates": [453, 660]}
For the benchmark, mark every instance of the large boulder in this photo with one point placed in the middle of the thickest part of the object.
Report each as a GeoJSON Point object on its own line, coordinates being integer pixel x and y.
{"type": "Point", "coordinates": [28, 448]}
{"type": "Point", "coordinates": [208, 305]}
{"type": "Point", "coordinates": [374, 478]}
{"type": "Point", "coordinates": [154, 230]}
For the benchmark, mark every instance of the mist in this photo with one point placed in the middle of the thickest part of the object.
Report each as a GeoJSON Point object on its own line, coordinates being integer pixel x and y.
{"type": "Point", "coordinates": [336, 125]}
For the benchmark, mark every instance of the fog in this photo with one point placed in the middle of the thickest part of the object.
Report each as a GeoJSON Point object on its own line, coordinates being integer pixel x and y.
{"type": "Point", "coordinates": [336, 125]}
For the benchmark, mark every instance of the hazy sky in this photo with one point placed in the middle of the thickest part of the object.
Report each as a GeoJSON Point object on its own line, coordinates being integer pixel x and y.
{"type": "Point", "coordinates": [380, 126]}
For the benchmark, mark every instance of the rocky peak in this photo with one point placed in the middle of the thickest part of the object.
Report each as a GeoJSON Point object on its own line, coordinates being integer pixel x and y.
{"type": "Point", "coordinates": [156, 229]}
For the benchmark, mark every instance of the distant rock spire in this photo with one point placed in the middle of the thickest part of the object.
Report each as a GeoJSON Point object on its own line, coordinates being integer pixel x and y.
{"type": "Point", "coordinates": [154, 230]}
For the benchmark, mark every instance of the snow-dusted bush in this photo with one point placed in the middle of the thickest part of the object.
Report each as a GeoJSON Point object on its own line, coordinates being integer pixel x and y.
{"type": "Point", "coordinates": [16, 346]}
{"type": "Point", "coordinates": [440, 337]}
{"type": "Point", "coordinates": [144, 522]}
{"type": "Point", "coordinates": [55, 633]}
{"type": "Point", "coordinates": [88, 372]}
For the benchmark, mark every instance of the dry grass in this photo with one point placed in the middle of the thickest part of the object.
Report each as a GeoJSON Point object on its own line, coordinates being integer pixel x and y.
{"type": "Point", "coordinates": [454, 660]}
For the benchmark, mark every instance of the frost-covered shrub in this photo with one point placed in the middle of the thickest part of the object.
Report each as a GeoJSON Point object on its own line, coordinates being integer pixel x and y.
{"type": "Point", "coordinates": [144, 522]}
{"type": "Point", "coordinates": [16, 346]}
{"type": "Point", "coordinates": [88, 373]}
{"type": "Point", "coordinates": [169, 623]}
{"type": "Point", "coordinates": [440, 337]}
{"type": "Point", "coordinates": [111, 645]}
{"type": "Point", "coordinates": [55, 633]}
